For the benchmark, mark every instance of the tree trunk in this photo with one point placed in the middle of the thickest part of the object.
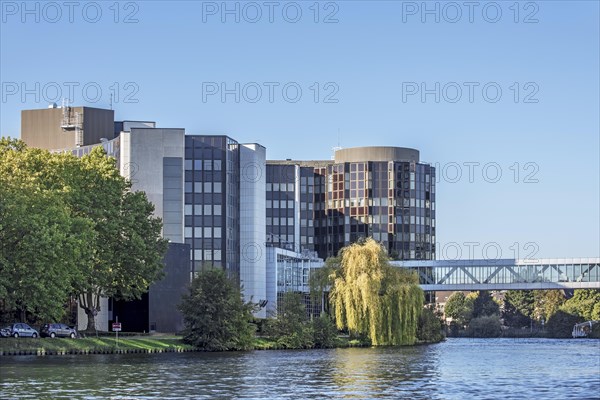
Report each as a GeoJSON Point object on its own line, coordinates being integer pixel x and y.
{"type": "Point", "coordinates": [91, 320]}
{"type": "Point", "coordinates": [90, 303]}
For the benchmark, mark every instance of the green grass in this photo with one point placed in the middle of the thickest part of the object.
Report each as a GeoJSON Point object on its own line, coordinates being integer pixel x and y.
{"type": "Point", "coordinates": [91, 344]}
{"type": "Point", "coordinates": [104, 344]}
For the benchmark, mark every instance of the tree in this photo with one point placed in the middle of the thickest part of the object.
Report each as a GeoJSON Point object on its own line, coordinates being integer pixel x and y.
{"type": "Point", "coordinates": [585, 303]}
{"type": "Point", "coordinates": [518, 310]}
{"type": "Point", "coordinates": [96, 236]}
{"type": "Point", "coordinates": [547, 303]}
{"type": "Point", "coordinates": [430, 327]}
{"type": "Point", "coordinates": [372, 298]}
{"type": "Point", "coordinates": [215, 315]}
{"type": "Point", "coordinates": [460, 308]}
{"type": "Point", "coordinates": [128, 248]}
{"type": "Point", "coordinates": [291, 327]}
{"type": "Point", "coordinates": [485, 326]}
{"type": "Point", "coordinates": [41, 241]}
{"type": "Point", "coordinates": [325, 334]}
{"type": "Point", "coordinates": [485, 305]}
{"type": "Point", "coordinates": [560, 324]}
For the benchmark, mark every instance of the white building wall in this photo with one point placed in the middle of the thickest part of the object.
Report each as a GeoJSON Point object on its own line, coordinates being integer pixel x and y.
{"type": "Point", "coordinates": [253, 257]}
{"type": "Point", "coordinates": [271, 281]}
{"type": "Point", "coordinates": [142, 154]}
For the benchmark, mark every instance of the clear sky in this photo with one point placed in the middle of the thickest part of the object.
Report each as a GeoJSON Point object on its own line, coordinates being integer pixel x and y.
{"type": "Point", "coordinates": [511, 86]}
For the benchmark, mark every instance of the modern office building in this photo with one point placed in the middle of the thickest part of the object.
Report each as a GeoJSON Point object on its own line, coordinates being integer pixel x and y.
{"type": "Point", "coordinates": [295, 204]}
{"type": "Point", "coordinates": [212, 202]}
{"type": "Point", "coordinates": [379, 192]}
{"type": "Point", "coordinates": [234, 209]}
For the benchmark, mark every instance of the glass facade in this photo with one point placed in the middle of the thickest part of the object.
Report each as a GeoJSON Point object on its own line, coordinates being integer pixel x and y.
{"type": "Point", "coordinates": [327, 206]}
{"type": "Point", "coordinates": [391, 201]}
{"type": "Point", "coordinates": [282, 206]}
{"type": "Point", "coordinates": [212, 165]}
{"type": "Point", "coordinates": [295, 197]}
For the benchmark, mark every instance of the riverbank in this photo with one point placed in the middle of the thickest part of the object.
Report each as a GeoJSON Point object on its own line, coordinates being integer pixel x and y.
{"type": "Point", "coordinates": [109, 345]}
{"type": "Point", "coordinates": [100, 345]}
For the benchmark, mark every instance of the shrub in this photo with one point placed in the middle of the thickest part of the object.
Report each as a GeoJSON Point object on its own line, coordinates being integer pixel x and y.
{"type": "Point", "coordinates": [430, 327]}
{"type": "Point", "coordinates": [325, 334]}
{"type": "Point", "coordinates": [215, 316]}
{"type": "Point", "coordinates": [560, 324]}
{"type": "Point", "coordinates": [485, 327]}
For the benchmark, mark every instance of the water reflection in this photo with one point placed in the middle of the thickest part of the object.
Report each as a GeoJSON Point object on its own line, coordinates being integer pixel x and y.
{"type": "Point", "coordinates": [456, 369]}
{"type": "Point", "coordinates": [386, 372]}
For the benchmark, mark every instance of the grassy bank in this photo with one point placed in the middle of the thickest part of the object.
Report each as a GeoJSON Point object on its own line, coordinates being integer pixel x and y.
{"type": "Point", "coordinates": [100, 345]}
{"type": "Point", "coordinates": [108, 345]}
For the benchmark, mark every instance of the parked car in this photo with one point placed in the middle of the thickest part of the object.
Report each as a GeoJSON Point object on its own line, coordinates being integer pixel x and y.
{"type": "Point", "coordinates": [20, 329]}
{"type": "Point", "coordinates": [58, 330]}
{"type": "Point", "coordinates": [5, 332]}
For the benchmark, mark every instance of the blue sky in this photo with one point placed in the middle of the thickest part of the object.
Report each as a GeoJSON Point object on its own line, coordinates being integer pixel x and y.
{"type": "Point", "coordinates": [371, 68]}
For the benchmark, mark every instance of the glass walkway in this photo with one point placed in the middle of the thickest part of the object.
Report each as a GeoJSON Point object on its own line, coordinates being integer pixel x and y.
{"type": "Point", "coordinates": [506, 274]}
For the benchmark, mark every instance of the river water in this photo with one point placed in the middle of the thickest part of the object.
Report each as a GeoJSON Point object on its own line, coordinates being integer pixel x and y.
{"type": "Point", "coordinates": [455, 369]}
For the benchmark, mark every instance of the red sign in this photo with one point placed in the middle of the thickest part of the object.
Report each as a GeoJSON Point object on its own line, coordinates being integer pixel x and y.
{"type": "Point", "coordinates": [116, 326]}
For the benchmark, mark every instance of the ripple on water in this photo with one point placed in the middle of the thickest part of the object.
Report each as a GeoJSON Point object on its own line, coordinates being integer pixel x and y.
{"type": "Point", "coordinates": [455, 369]}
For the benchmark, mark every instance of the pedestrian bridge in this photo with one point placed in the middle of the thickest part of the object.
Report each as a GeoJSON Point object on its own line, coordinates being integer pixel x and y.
{"type": "Point", "coordinates": [506, 274]}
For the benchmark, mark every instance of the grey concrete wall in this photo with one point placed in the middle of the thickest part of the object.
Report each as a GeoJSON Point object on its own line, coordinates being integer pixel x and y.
{"type": "Point", "coordinates": [42, 128]}
{"type": "Point", "coordinates": [142, 153]}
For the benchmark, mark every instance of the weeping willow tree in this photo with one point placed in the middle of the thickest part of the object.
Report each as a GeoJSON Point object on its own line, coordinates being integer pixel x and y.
{"type": "Point", "coordinates": [372, 298]}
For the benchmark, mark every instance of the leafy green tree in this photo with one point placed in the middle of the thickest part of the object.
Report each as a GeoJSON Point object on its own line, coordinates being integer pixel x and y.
{"type": "Point", "coordinates": [41, 241]}
{"type": "Point", "coordinates": [584, 303]}
{"type": "Point", "coordinates": [291, 327]}
{"type": "Point", "coordinates": [485, 305]}
{"type": "Point", "coordinates": [325, 334]}
{"type": "Point", "coordinates": [460, 308]}
{"type": "Point", "coordinates": [560, 324]}
{"type": "Point", "coordinates": [215, 316]}
{"type": "Point", "coordinates": [519, 307]}
{"type": "Point", "coordinates": [114, 242]}
{"type": "Point", "coordinates": [128, 247]}
{"type": "Point", "coordinates": [547, 303]}
{"type": "Point", "coordinates": [372, 298]}
{"type": "Point", "coordinates": [430, 327]}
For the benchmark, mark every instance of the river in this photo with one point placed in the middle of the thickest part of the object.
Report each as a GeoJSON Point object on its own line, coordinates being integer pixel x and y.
{"type": "Point", "coordinates": [455, 369]}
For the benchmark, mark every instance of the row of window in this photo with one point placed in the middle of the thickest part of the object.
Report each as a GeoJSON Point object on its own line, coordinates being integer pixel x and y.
{"type": "Point", "coordinates": [199, 232]}
{"type": "Point", "coordinates": [280, 187]}
{"type": "Point", "coordinates": [203, 187]}
{"type": "Point", "coordinates": [203, 165]}
{"type": "Point", "coordinates": [380, 202]}
{"type": "Point", "coordinates": [206, 209]}
{"type": "Point", "coordinates": [206, 255]}
{"type": "Point", "coordinates": [280, 221]}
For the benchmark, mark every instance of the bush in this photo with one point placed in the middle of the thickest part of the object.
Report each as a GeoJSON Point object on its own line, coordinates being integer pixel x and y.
{"type": "Point", "coordinates": [560, 324]}
{"type": "Point", "coordinates": [215, 316]}
{"type": "Point", "coordinates": [325, 334]}
{"type": "Point", "coordinates": [485, 327]}
{"type": "Point", "coordinates": [430, 327]}
{"type": "Point", "coordinates": [291, 328]}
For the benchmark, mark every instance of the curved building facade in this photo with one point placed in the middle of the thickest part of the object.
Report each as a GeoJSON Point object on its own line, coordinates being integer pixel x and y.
{"type": "Point", "coordinates": [384, 193]}
{"type": "Point", "coordinates": [381, 192]}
